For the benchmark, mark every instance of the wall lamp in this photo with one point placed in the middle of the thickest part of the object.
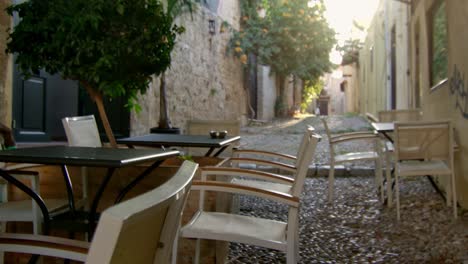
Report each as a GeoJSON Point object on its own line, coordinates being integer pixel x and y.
{"type": "Point", "coordinates": [212, 27]}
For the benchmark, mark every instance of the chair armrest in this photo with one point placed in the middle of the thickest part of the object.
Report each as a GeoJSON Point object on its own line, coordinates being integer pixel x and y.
{"type": "Point", "coordinates": [21, 166]}
{"type": "Point", "coordinates": [351, 134]}
{"type": "Point", "coordinates": [275, 164]}
{"type": "Point", "coordinates": [246, 190]}
{"type": "Point", "coordinates": [205, 171]}
{"type": "Point", "coordinates": [44, 245]}
{"type": "Point", "coordinates": [345, 138]}
{"type": "Point", "coordinates": [264, 153]}
{"type": "Point", "coordinates": [372, 118]}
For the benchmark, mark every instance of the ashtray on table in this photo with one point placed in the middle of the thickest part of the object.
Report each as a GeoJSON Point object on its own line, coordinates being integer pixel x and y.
{"type": "Point", "coordinates": [218, 134]}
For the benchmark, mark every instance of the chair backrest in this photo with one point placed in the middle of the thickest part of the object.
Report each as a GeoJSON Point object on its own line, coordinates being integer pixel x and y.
{"type": "Point", "coordinates": [403, 115]}
{"type": "Point", "coordinates": [328, 132]}
{"type": "Point", "coordinates": [203, 127]}
{"type": "Point", "coordinates": [303, 145]}
{"type": "Point", "coordinates": [304, 159]}
{"type": "Point", "coordinates": [82, 131]}
{"type": "Point", "coordinates": [424, 140]}
{"type": "Point", "coordinates": [143, 229]}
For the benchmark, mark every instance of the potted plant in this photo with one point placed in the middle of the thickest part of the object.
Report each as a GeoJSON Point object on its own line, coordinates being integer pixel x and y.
{"type": "Point", "coordinates": [112, 48]}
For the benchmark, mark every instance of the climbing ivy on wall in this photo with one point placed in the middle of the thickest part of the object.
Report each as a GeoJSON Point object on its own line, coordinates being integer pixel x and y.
{"type": "Point", "coordinates": [292, 37]}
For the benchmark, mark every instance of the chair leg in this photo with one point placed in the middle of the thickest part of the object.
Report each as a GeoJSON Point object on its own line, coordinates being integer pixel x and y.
{"type": "Point", "coordinates": [3, 227]}
{"type": "Point", "coordinates": [454, 195]}
{"type": "Point", "coordinates": [388, 176]}
{"type": "Point", "coordinates": [331, 181]}
{"type": "Point", "coordinates": [292, 255]}
{"type": "Point", "coordinates": [197, 252]}
{"type": "Point", "coordinates": [397, 194]}
{"type": "Point", "coordinates": [175, 246]}
{"type": "Point", "coordinates": [379, 178]}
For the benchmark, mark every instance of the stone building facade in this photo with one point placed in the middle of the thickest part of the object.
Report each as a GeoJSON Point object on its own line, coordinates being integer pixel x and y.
{"type": "Point", "coordinates": [384, 60]}
{"type": "Point", "coordinates": [445, 99]}
{"type": "Point", "coordinates": [5, 68]}
{"type": "Point", "coordinates": [204, 81]}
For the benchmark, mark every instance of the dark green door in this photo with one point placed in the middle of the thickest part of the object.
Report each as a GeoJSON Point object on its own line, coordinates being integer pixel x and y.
{"type": "Point", "coordinates": [42, 100]}
{"type": "Point", "coordinates": [39, 104]}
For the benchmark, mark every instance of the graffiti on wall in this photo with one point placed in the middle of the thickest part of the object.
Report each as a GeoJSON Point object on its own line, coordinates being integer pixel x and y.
{"type": "Point", "coordinates": [457, 88]}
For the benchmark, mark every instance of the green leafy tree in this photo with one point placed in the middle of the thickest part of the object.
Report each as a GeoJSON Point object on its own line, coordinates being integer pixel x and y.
{"type": "Point", "coordinates": [293, 37]}
{"type": "Point", "coordinates": [112, 48]}
{"type": "Point", "coordinates": [350, 51]}
{"type": "Point", "coordinates": [311, 91]}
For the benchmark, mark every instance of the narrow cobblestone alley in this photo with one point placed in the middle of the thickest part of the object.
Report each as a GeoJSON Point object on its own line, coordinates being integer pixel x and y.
{"type": "Point", "coordinates": [357, 228]}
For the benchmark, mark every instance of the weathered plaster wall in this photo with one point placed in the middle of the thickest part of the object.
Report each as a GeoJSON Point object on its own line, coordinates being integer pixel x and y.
{"type": "Point", "coordinates": [450, 100]}
{"type": "Point", "coordinates": [374, 75]}
{"type": "Point", "coordinates": [373, 66]}
{"type": "Point", "coordinates": [352, 90]}
{"type": "Point", "coordinates": [446, 101]}
{"type": "Point", "coordinates": [203, 82]}
{"type": "Point", "coordinates": [337, 102]}
{"type": "Point", "coordinates": [5, 67]}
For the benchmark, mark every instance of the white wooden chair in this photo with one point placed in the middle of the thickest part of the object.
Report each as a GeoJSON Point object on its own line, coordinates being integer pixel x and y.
{"type": "Point", "coordinates": [286, 165]}
{"type": "Point", "coordinates": [403, 115]}
{"type": "Point", "coordinates": [203, 127]}
{"type": "Point", "coordinates": [424, 148]}
{"type": "Point", "coordinates": [82, 131]}
{"type": "Point", "coordinates": [139, 230]}
{"type": "Point", "coordinates": [25, 210]}
{"type": "Point", "coordinates": [257, 231]}
{"type": "Point", "coordinates": [400, 115]}
{"type": "Point", "coordinates": [338, 157]}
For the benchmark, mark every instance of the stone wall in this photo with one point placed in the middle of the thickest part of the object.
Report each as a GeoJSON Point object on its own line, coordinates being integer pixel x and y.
{"type": "Point", "coordinates": [5, 67]}
{"type": "Point", "coordinates": [204, 82]}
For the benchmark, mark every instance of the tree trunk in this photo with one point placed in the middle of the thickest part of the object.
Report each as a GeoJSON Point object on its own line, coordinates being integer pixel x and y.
{"type": "Point", "coordinates": [164, 121]}
{"type": "Point", "coordinates": [281, 104]}
{"type": "Point", "coordinates": [97, 98]}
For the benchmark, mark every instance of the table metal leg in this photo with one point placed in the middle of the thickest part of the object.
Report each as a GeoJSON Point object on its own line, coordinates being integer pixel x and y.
{"type": "Point", "coordinates": [140, 177]}
{"type": "Point", "coordinates": [208, 153]}
{"type": "Point", "coordinates": [69, 185]}
{"type": "Point", "coordinates": [220, 151]}
{"type": "Point", "coordinates": [95, 203]}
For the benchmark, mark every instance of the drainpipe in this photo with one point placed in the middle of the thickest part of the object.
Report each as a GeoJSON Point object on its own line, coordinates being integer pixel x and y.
{"type": "Point", "coordinates": [388, 53]}
{"type": "Point", "coordinates": [410, 89]}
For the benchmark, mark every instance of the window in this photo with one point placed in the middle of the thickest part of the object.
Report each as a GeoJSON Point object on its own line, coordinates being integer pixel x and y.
{"type": "Point", "coordinates": [438, 43]}
{"type": "Point", "coordinates": [417, 82]}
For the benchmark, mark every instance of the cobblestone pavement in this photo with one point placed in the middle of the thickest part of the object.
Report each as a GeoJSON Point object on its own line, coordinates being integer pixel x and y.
{"type": "Point", "coordinates": [357, 228]}
{"type": "Point", "coordinates": [284, 135]}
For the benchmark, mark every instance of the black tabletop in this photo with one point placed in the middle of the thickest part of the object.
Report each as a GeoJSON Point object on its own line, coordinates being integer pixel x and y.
{"type": "Point", "coordinates": [84, 156]}
{"type": "Point", "coordinates": [169, 140]}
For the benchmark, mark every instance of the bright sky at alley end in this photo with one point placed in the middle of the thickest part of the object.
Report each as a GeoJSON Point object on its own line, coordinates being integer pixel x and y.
{"type": "Point", "coordinates": [340, 15]}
